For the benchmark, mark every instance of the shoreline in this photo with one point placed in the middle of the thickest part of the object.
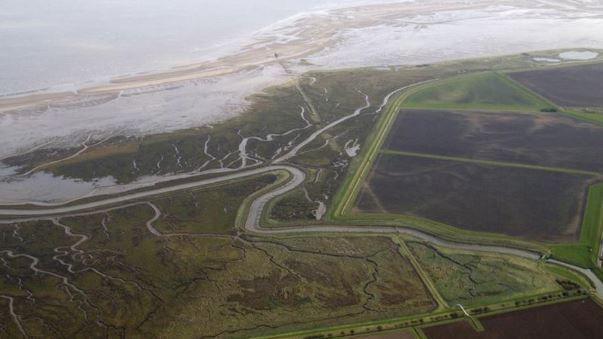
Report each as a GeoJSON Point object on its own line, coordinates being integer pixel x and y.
{"type": "Point", "coordinates": [309, 34]}
{"type": "Point", "coordinates": [398, 35]}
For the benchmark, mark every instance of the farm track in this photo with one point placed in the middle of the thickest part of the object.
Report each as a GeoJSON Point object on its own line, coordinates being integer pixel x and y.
{"type": "Point", "coordinates": [491, 162]}
{"type": "Point", "coordinates": [252, 221]}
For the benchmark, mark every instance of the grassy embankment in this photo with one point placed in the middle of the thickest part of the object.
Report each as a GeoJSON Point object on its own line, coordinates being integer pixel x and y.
{"type": "Point", "coordinates": [584, 253]}
{"type": "Point", "coordinates": [418, 321]}
{"type": "Point", "coordinates": [360, 168]}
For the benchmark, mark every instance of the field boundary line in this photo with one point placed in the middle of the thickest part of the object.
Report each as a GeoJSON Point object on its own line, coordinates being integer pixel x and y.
{"type": "Point", "coordinates": [476, 324]}
{"type": "Point", "coordinates": [533, 108]}
{"type": "Point", "coordinates": [506, 76]}
{"type": "Point", "coordinates": [350, 187]}
{"type": "Point", "coordinates": [429, 284]}
{"type": "Point", "coordinates": [418, 333]}
{"type": "Point", "coordinates": [422, 320]}
{"type": "Point", "coordinates": [571, 112]}
{"type": "Point", "coordinates": [491, 162]}
{"type": "Point", "coordinates": [589, 117]}
{"type": "Point", "coordinates": [473, 110]}
{"type": "Point", "coordinates": [440, 230]}
{"type": "Point", "coordinates": [512, 82]}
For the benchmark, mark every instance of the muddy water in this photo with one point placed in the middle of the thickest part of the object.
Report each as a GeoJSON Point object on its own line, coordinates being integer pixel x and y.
{"type": "Point", "coordinates": [42, 40]}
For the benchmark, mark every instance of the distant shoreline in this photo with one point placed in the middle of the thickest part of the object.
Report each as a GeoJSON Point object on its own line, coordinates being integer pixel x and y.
{"type": "Point", "coordinates": [311, 35]}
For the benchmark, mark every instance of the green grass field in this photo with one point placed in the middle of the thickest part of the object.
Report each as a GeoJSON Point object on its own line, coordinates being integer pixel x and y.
{"type": "Point", "coordinates": [592, 117]}
{"type": "Point", "coordinates": [487, 90]}
{"type": "Point", "coordinates": [585, 252]}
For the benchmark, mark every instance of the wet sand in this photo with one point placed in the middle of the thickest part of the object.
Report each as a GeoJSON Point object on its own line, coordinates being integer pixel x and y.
{"type": "Point", "coordinates": [371, 35]}
{"type": "Point", "coordinates": [294, 39]}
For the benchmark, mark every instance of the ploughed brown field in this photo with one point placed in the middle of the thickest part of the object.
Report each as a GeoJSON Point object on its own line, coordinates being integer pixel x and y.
{"type": "Point", "coordinates": [577, 86]}
{"type": "Point", "coordinates": [531, 203]}
{"type": "Point", "coordinates": [548, 140]}
{"type": "Point", "coordinates": [581, 319]}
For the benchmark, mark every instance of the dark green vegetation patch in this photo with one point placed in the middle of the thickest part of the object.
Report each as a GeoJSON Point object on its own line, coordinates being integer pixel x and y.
{"type": "Point", "coordinates": [578, 86]}
{"type": "Point", "coordinates": [531, 203]}
{"type": "Point", "coordinates": [581, 319]}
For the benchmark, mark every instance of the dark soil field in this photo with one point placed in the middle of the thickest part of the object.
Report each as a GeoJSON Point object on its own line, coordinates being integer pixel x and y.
{"type": "Point", "coordinates": [579, 86]}
{"type": "Point", "coordinates": [580, 319]}
{"type": "Point", "coordinates": [544, 139]}
{"type": "Point", "coordinates": [534, 204]}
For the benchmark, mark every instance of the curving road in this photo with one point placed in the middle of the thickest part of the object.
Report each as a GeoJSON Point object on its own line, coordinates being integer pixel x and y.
{"type": "Point", "coordinates": [252, 222]}
{"type": "Point", "coordinates": [253, 225]}
{"type": "Point", "coordinates": [76, 208]}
